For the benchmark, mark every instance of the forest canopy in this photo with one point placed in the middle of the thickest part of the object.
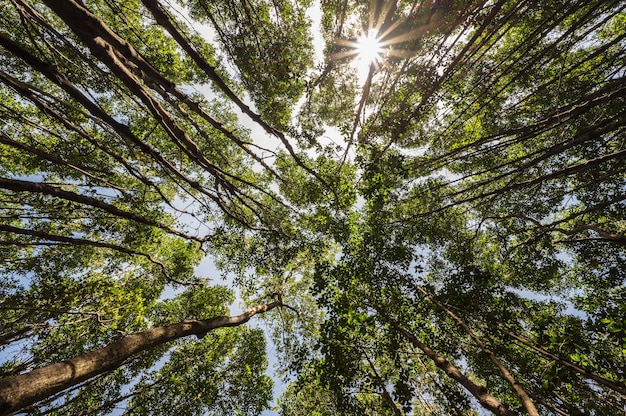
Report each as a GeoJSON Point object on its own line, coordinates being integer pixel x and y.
{"type": "Point", "coordinates": [430, 224]}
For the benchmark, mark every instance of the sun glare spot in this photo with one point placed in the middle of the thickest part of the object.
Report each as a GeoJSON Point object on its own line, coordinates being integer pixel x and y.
{"type": "Point", "coordinates": [369, 48]}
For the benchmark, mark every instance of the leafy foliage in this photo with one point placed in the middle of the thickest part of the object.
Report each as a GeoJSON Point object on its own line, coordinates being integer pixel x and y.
{"type": "Point", "coordinates": [443, 234]}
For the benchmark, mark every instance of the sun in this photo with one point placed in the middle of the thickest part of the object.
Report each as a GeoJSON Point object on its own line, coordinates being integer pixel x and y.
{"type": "Point", "coordinates": [368, 47]}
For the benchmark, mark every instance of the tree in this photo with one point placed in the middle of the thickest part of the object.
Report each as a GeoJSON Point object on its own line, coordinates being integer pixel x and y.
{"type": "Point", "coordinates": [458, 244]}
{"type": "Point", "coordinates": [25, 389]}
{"type": "Point", "coordinates": [114, 182]}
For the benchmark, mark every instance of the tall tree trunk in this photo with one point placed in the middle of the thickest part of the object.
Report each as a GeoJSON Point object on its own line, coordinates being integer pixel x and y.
{"type": "Point", "coordinates": [480, 393]}
{"type": "Point", "coordinates": [615, 385]}
{"type": "Point", "coordinates": [42, 188]}
{"type": "Point", "coordinates": [519, 390]}
{"type": "Point", "coordinates": [25, 389]}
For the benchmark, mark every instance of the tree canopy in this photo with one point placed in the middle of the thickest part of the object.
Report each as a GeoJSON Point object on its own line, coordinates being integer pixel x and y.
{"type": "Point", "coordinates": [438, 229]}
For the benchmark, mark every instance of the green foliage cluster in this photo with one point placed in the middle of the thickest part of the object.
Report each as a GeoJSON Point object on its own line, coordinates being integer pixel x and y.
{"type": "Point", "coordinates": [459, 244]}
{"type": "Point", "coordinates": [264, 37]}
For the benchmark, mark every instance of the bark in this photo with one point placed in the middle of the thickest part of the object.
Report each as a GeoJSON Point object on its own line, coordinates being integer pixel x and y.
{"type": "Point", "coordinates": [555, 118]}
{"type": "Point", "coordinates": [590, 134]}
{"type": "Point", "coordinates": [26, 389]}
{"type": "Point", "coordinates": [521, 393]}
{"type": "Point", "coordinates": [84, 242]}
{"type": "Point", "coordinates": [587, 135]}
{"type": "Point", "coordinates": [552, 407]}
{"type": "Point", "coordinates": [464, 54]}
{"type": "Point", "coordinates": [163, 19]}
{"type": "Point", "coordinates": [131, 68]}
{"type": "Point", "coordinates": [139, 76]}
{"type": "Point", "coordinates": [17, 335]}
{"type": "Point", "coordinates": [381, 384]}
{"type": "Point", "coordinates": [84, 170]}
{"type": "Point", "coordinates": [546, 26]}
{"type": "Point", "coordinates": [480, 393]}
{"type": "Point", "coordinates": [576, 169]}
{"type": "Point", "coordinates": [527, 132]}
{"type": "Point", "coordinates": [109, 122]}
{"type": "Point", "coordinates": [27, 92]}
{"type": "Point", "coordinates": [611, 384]}
{"type": "Point", "coordinates": [604, 235]}
{"type": "Point", "coordinates": [45, 189]}
{"type": "Point", "coordinates": [557, 115]}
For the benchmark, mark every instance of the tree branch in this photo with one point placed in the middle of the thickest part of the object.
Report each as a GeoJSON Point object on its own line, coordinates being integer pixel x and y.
{"type": "Point", "coordinates": [25, 389]}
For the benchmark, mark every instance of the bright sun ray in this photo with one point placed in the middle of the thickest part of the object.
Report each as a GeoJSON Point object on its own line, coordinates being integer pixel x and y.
{"type": "Point", "coordinates": [384, 37]}
{"type": "Point", "coordinates": [369, 48]}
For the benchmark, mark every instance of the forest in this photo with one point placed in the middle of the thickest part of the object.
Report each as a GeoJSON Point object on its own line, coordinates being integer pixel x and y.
{"type": "Point", "coordinates": [313, 207]}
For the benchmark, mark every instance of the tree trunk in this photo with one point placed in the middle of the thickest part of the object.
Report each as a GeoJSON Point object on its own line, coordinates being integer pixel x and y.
{"type": "Point", "coordinates": [519, 390]}
{"type": "Point", "coordinates": [480, 393]}
{"type": "Point", "coordinates": [25, 389]}
{"type": "Point", "coordinates": [42, 188]}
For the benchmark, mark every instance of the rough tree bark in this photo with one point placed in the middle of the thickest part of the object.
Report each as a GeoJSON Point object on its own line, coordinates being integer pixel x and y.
{"type": "Point", "coordinates": [25, 389]}
{"type": "Point", "coordinates": [519, 390]}
{"type": "Point", "coordinates": [480, 393]}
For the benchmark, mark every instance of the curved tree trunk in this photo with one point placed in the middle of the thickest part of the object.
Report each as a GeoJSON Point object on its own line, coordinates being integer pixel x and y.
{"type": "Point", "coordinates": [480, 393]}
{"type": "Point", "coordinates": [519, 390]}
{"type": "Point", "coordinates": [25, 389]}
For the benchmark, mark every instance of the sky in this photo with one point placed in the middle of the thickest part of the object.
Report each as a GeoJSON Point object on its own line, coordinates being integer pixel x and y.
{"type": "Point", "coordinates": [207, 268]}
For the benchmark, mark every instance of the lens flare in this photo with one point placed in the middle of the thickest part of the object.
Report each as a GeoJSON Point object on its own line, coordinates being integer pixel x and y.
{"type": "Point", "coordinates": [368, 47]}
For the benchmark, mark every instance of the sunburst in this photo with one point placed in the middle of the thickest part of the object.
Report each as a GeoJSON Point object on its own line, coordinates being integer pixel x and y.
{"type": "Point", "coordinates": [368, 48]}
{"type": "Point", "coordinates": [378, 38]}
